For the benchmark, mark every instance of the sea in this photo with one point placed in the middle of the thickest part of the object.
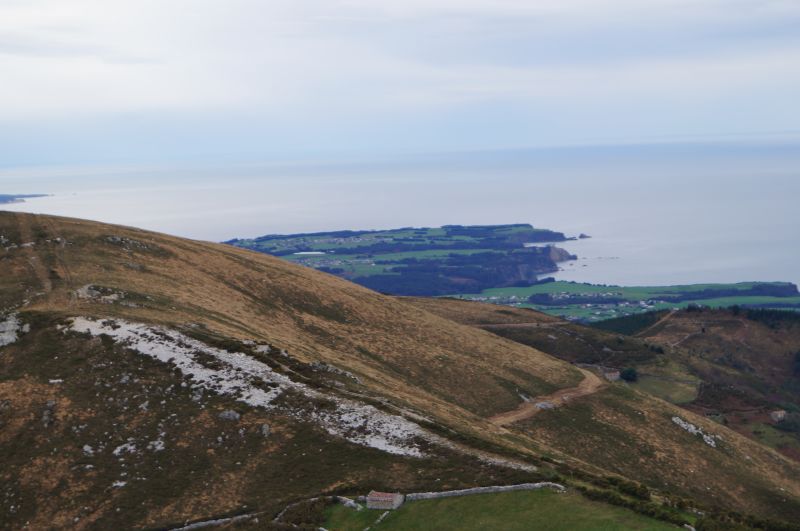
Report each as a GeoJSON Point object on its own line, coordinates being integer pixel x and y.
{"type": "Point", "coordinates": [657, 214]}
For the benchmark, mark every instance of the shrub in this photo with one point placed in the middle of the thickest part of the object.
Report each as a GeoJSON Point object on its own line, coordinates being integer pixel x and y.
{"type": "Point", "coordinates": [629, 374]}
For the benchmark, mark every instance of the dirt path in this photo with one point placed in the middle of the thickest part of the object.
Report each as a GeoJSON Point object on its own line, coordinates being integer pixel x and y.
{"type": "Point", "coordinates": [657, 323]}
{"type": "Point", "coordinates": [26, 239]}
{"type": "Point", "coordinates": [590, 384]}
{"type": "Point", "coordinates": [521, 325]}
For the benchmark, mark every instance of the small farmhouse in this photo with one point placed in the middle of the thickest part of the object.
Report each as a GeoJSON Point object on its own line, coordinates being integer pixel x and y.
{"type": "Point", "coordinates": [611, 376]}
{"type": "Point", "coordinates": [384, 500]}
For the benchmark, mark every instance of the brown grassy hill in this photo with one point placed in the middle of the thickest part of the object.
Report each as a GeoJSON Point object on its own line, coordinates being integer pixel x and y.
{"type": "Point", "coordinates": [240, 294]}
{"type": "Point", "coordinates": [736, 366]}
{"type": "Point", "coordinates": [560, 338]}
{"type": "Point", "coordinates": [616, 413]}
{"type": "Point", "coordinates": [740, 339]}
{"type": "Point", "coordinates": [748, 362]}
{"type": "Point", "coordinates": [93, 432]}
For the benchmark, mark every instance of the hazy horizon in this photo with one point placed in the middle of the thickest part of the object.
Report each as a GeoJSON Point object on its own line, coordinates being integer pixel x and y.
{"type": "Point", "coordinates": [663, 121]}
{"type": "Point", "coordinates": [658, 214]}
{"type": "Point", "coordinates": [124, 82]}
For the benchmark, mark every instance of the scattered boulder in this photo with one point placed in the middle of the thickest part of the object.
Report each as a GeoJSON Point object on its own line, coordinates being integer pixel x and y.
{"type": "Point", "coordinates": [134, 266]}
{"type": "Point", "coordinates": [229, 414]}
{"type": "Point", "coordinates": [197, 394]}
{"type": "Point", "coordinates": [48, 413]}
{"type": "Point", "coordinates": [10, 327]}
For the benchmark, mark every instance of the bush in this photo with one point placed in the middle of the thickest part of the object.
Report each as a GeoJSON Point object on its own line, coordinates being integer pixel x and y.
{"type": "Point", "coordinates": [629, 374]}
{"type": "Point", "coordinates": [640, 506]}
{"type": "Point", "coordinates": [630, 488]}
{"type": "Point", "coordinates": [311, 512]}
{"type": "Point", "coordinates": [790, 424]}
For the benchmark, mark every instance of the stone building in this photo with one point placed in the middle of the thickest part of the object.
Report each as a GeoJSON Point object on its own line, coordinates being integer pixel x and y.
{"type": "Point", "coordinates": [384, 500]}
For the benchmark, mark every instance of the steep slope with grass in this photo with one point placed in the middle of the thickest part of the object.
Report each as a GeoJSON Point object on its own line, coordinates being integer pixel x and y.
{"type": "Point", "coordinates": [620, 425]}
{"type": "Point", "coordinates": [749, 361]}
{"type": "Point", "coordinates": [148, 380]}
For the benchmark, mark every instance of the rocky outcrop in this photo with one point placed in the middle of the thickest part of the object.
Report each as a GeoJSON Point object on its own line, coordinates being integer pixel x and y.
{"type": "Point", "coordinates": [10, 329]}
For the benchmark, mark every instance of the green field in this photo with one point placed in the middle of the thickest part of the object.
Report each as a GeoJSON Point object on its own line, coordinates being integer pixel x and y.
{"type": "Point", "coordinates": [511, 511]}
{"type": "Point", "coordinates": [676, 392]}
{"type": "Point", "coordinates": [592, 302]}
{"type": "Point", "coordinates": [424, 261]}
{"type": "Point", "coordinates": [774, 438]}
{"type": "Point", "coordinates": [632, 293]}
{"type": "Point", "coordinates": [434, 238]}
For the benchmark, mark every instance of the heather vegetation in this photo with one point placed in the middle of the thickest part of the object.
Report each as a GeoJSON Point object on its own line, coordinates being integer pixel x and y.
{"type": "Point", "coordinates": [199, 381]}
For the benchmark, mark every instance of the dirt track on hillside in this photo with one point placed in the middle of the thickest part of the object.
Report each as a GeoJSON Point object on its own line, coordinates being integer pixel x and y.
{"type": "Point", "coordinates": [643, 333]}
{"type": "Point", "coordinates": [590, 384]}
{"type": "Point", "coordinates": [492, 326]}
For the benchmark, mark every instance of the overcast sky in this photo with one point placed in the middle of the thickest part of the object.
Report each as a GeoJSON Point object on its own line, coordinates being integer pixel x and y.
{"type": "Point", "coordinates": [153, 80]}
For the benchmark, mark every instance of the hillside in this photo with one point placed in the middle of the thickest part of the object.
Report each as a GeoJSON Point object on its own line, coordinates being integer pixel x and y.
{"type": "Point", "coordinates": [749, 361]}
{"type": "Point", "coordinates": [733, 366]}
{"type": "Point", "coordinates": [147, 380]}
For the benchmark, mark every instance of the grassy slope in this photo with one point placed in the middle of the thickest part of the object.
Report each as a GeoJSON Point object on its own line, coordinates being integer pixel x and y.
{"type": "Point", "coordinates": [417, 360]}
{"type": "Point", "coordinates": [208, 466]}
{"type": "Point", "coordinates": [571, 342]}
{"type": "Point", "coordinates": [629, 432]}
{"type": "Point", "coordinates": [749, 363]}
{"type": "Point", "coordinates": [315, 316]}
{"type": "Point", "coordinates": [509, 511]}
{"type": "Point", "coordinates": [455, 374]}
{"type": "Point", "coordinates": [737, 371]}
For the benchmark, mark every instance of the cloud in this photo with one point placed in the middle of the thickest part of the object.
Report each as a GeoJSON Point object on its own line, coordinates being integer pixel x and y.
{"type": "Point", "coordinates": [351, 64]}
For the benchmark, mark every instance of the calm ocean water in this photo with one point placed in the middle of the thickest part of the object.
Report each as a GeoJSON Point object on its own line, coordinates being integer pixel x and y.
{"type": "Point", "coordinates": [665, 214]}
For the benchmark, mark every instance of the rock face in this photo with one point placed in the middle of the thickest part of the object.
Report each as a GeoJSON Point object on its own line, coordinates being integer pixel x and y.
{"type": "Point", "coordinates": [709, 439]}
{"type": "Point", "coordinates": [557, 254]}
{"type": "Point", "coordinates": [233, 375]}
{"type": "Point", "coordinates": [10, 328]}
{"type": "Point", "coordinates": [229, 414]}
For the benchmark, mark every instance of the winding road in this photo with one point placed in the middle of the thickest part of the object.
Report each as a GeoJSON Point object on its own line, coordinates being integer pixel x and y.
{"type": "Point", "coordinates": [590, 384]}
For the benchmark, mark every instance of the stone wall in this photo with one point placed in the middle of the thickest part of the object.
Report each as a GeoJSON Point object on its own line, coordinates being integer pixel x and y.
{"type": "Point", "coordinates": [483, 490]}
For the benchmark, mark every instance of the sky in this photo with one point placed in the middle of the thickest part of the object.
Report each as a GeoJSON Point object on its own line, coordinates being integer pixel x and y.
{"type": "Point", "coordinates": [149, 81]}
